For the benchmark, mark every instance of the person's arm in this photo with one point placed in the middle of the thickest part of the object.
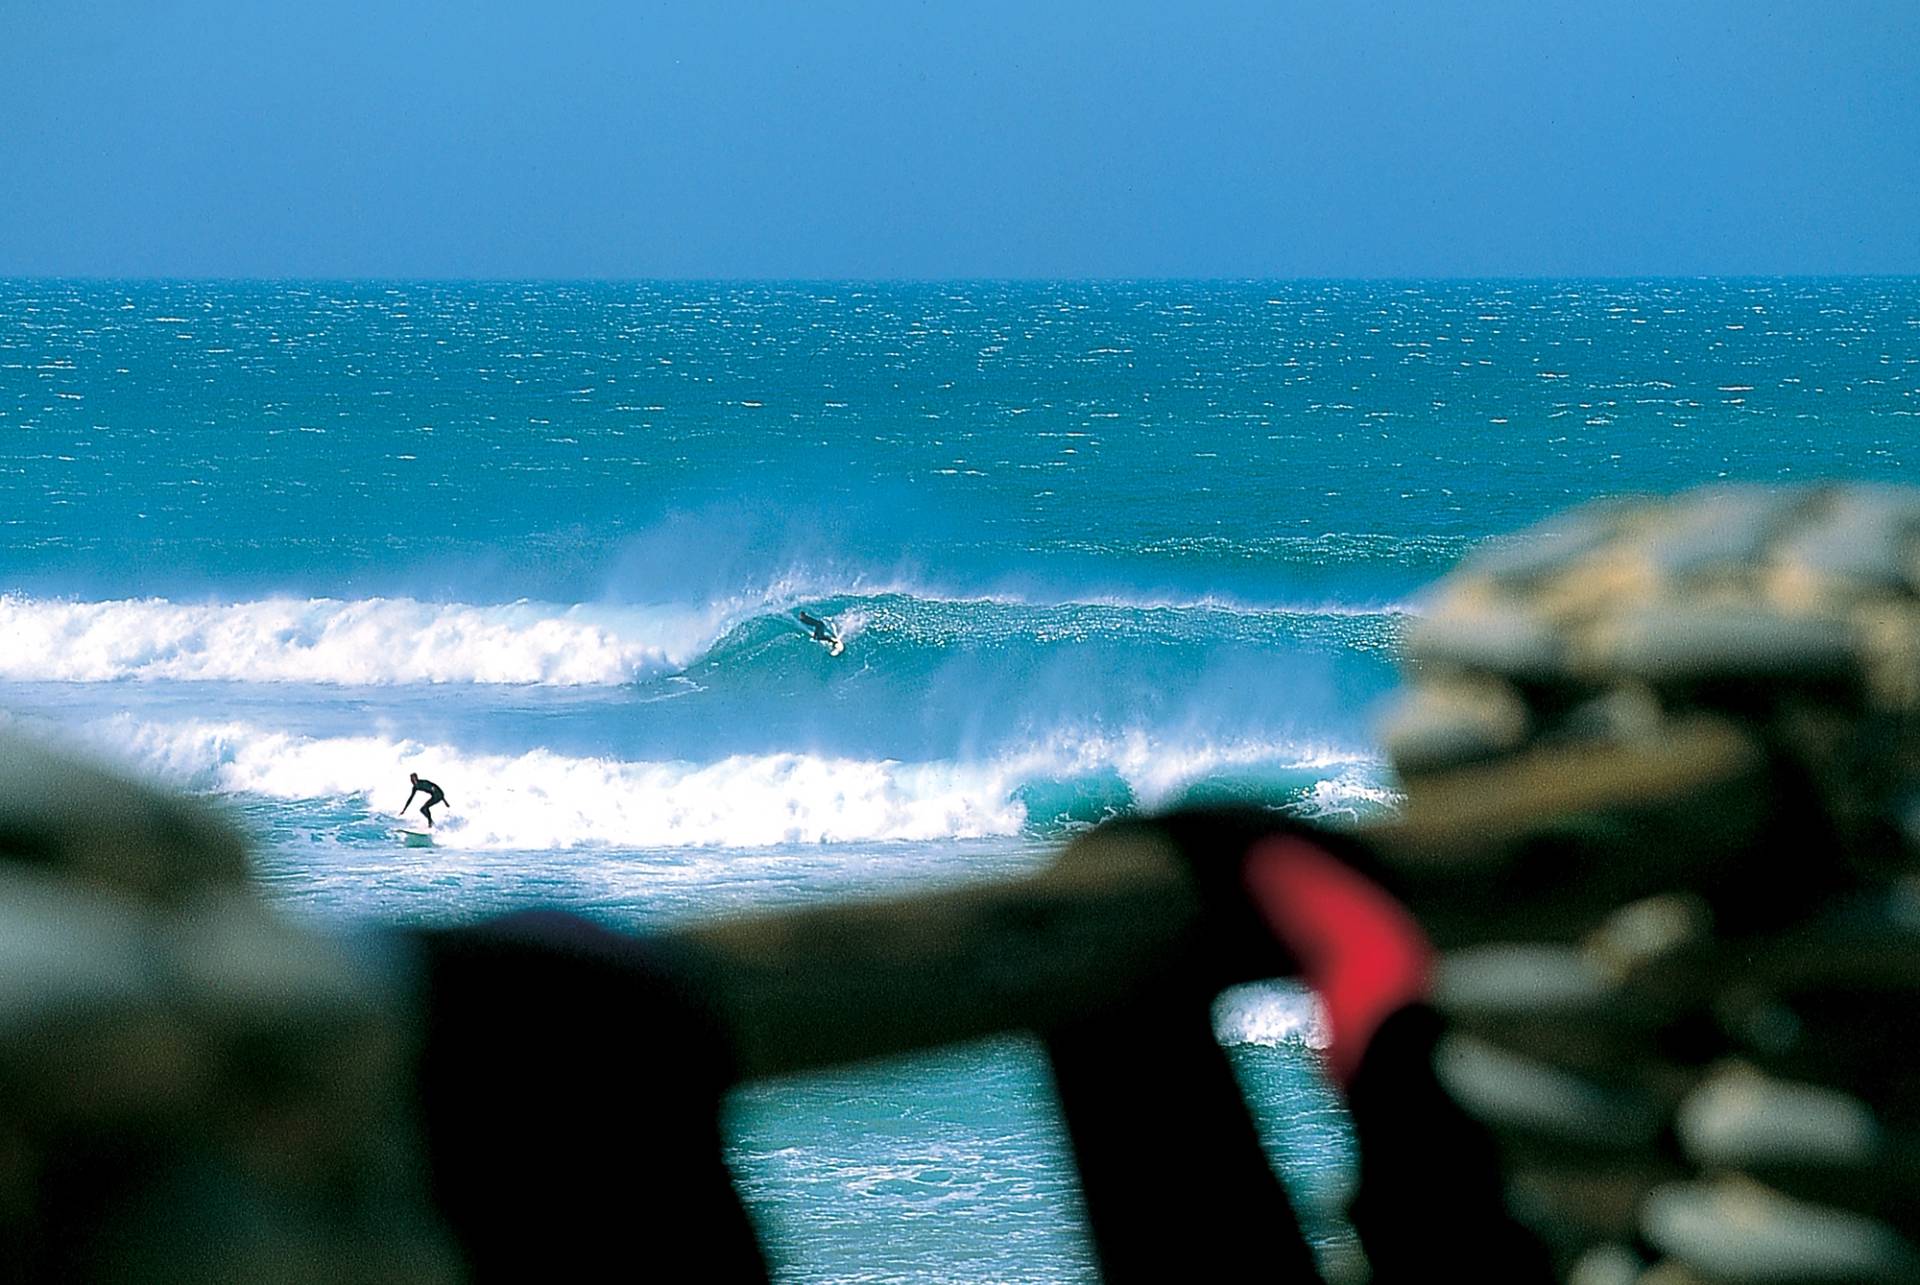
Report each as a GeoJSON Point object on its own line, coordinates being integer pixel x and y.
{"type": "Point", "coordinates": [409, 803]}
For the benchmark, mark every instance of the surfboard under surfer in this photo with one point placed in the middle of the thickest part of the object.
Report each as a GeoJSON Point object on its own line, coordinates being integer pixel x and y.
{"type": "Point", "coordinates": [423, 786]}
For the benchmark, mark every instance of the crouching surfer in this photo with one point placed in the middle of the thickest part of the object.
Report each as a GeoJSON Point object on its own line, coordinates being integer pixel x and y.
{"type": "Point", "coordinates": [822, 632]}
{"type": "Point", "coordinates": [423, 786]}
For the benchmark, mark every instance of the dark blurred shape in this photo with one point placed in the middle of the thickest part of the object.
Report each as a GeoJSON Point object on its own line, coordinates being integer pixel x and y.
{"type": "Point", "coordinates": [570, 1090]}
{"type": "Point", "coordinates": [190, 1088]}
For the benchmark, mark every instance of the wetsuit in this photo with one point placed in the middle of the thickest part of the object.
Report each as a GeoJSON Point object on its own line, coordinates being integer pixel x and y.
{"type": "Point", "coordinates": [421, 785]}
{"type": "Point", "coordinates": [822, 632]}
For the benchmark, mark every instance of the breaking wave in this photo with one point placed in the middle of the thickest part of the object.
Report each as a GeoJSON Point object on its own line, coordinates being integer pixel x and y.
{"type": "Point", "coordinates": [378, 642]}
{"type": "Point", "coordinates": [541, 799]}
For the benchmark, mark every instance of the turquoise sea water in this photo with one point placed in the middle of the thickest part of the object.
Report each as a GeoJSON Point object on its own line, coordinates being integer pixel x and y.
{"type": "Point", "coordinates": [1092, 548]}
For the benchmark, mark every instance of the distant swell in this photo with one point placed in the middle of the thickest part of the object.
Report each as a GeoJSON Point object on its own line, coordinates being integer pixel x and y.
{"type": "Point", "coordinates": [541, 799]}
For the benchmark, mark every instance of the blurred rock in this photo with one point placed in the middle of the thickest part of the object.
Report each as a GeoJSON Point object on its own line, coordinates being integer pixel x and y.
{"type": "Point", "coordinates": [194, 1089]}
{"type": "Point", "coordinates": [1734, 987]}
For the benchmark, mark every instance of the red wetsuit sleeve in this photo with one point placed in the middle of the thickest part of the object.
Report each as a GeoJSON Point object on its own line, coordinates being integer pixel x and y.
{"type": "Point", "coordinates": [1358, 948]}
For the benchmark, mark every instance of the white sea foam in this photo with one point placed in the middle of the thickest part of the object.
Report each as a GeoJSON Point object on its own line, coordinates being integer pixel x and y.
{"type": "Point", "coordinates": [1269, 1014]}
{"type": "Point", "coordinates": [1159, 773]}
{"type": "Point", "coordinates": [375, 641]}
{"type": "Point", "coordinates": [1349, 794]}
{"type": "Point", "coordinates": [540, 799]}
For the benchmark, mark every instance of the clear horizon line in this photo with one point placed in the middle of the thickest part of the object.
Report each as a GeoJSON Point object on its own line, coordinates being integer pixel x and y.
{"type": "Point", "coordinates": [1145, 279]}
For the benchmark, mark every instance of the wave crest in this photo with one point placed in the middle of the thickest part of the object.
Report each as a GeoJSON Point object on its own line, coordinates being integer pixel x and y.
{"type": "Point", "coordinates": [381, 642]}
{"type": "Point", "coordinates": [368, 642]}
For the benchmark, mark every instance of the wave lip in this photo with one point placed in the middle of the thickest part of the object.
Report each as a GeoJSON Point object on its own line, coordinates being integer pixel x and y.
{"type": "Point", "coordinates": [365, 642]}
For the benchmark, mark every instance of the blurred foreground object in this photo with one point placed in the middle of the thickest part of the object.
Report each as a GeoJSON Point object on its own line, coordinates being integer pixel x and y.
{"type": "Point", "coordinates": [1661, 762]}
{"type": "Point", "coordinates": [190, 1088]}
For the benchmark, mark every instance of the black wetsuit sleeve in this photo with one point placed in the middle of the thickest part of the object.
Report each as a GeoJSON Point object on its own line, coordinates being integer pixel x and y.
{"type": "Point", "coordinates": [570, 1088]}
{"type": "Point", "coordinates": [1431, 1201]}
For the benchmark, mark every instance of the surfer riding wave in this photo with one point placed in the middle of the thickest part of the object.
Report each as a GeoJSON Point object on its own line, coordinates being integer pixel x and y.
{"type": "Point", "coordinates": [822, 631]}
{"type": "Point", "coordinates": [423, 786]}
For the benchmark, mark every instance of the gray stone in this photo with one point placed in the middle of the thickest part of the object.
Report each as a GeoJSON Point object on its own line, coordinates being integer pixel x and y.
{"type": "Point", "coordinates": [1607, 1265]}
{"type": "Point", "coordinates": [1665, 646]}
{"type": "Point", "coordinates": [1737, 1230]}
{"type": "Point", "coordinates": [1629, 712]}
{"type": "Point", "coordinates": [1739, 1119]}
{"type": "Point", "coordinates": [1643, 934]}
{"type": "Point", "coordinates": [1543, 981]}
{"type": "Point", "coordinates": [1447, 725]}
{"type": "Point", "coordinates": [63, 951]}
{"type": "Point", "coordinates": [65, 814]}
{"type": "Point", "coordinates": [1551, 547]}
{"type": "Point", "coordinates": [1494, 641]}
{"type": "Point", "coordinates": [231, 954]}
{"type": "Point", "coordinates": [1862, 540]}
{"type": "Point", "coordinates": [1514, 1094]}
{"type": "Point", "coordinates": [1719, 530]}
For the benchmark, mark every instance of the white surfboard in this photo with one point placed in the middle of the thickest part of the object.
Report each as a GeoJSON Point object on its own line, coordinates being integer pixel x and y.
{"type": "Point", "coordinates": [414, 838]}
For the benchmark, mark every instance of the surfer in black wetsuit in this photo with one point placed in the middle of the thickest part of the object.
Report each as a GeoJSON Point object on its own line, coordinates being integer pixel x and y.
{"type": "Point", "coordinates": [822, 631]}
{"type": "Point", "coordinates": [423, 786]}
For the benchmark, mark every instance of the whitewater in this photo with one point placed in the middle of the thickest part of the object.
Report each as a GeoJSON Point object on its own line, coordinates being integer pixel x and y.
{"type": "Point", "coordinates": [274, 659]}
{"type": "Point", "coordinates": [1093, 549]}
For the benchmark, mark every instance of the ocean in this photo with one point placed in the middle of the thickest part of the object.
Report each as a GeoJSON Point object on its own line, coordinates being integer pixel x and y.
{"type": "Point", "coordinates": [1092, 549]}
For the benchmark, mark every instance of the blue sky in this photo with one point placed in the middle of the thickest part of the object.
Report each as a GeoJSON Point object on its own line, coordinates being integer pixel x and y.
{"type": "Point", "coordinates": [925, 140]}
